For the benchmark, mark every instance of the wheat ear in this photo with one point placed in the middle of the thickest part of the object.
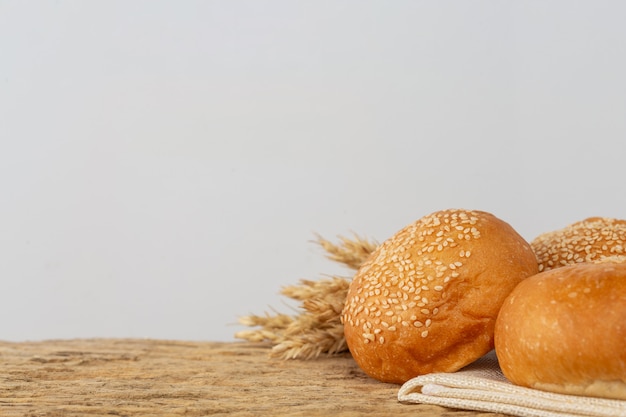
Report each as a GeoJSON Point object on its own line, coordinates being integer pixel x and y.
{"type": "Point", "coordinates": [317, 329]}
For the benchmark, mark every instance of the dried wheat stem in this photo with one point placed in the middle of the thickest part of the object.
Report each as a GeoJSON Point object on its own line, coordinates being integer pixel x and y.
{"type": "Point", "coordinates": [317, 329]}
{"type": "Point", "coordinates": [350, 252]}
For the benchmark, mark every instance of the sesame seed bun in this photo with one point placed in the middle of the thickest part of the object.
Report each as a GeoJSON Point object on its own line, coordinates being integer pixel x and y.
{"type": "Point", "coordinates": [563, 331]}
{"type": "Point", "coordinates": [427, 299]}
{"type": "Point", "coordinates": [584, 241]}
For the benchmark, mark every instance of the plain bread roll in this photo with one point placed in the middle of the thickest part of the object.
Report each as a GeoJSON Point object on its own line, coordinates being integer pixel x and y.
{"type": "Point", "coordinates": [564, 331]}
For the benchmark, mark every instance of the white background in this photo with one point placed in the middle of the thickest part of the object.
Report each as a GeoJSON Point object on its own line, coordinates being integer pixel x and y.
{"type": "Point", "coordinates": [164, 165]}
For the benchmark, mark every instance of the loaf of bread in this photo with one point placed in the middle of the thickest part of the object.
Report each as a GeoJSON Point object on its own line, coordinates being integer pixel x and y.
{"type": "Point", "coordinates": [588, 240]}
{"type": "Point", "coordinates": [426, 300]}
{"type": "Point", "coordinates": [564, 330]}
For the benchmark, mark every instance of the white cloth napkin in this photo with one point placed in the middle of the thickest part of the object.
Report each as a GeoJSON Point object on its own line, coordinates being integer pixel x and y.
{"type": "Point", "coordinates": [481, 386]}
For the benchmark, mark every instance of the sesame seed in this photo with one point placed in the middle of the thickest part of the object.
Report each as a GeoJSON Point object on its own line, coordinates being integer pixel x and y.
{"type": "Point", "coordinates": [425, 333]}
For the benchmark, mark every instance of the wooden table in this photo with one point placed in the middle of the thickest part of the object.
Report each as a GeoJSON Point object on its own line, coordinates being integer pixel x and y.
{"type": "Point", "coordinates": [137, 377]}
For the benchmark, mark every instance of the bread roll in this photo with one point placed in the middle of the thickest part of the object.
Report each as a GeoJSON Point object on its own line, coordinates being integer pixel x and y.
{"type": "Point", "coordinates": [426, 300]}
{"type": "Point", "coordinates": [564, 331]}
{"type": "Point", "coordinates": [584, 241]}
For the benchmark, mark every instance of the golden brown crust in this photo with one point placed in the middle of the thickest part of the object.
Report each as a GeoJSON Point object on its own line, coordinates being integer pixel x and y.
{"type": "Point", "coordinates": [588, 240]}
{"type": "Point", "coordinates": [564, 330]}
{"type": "Point", "coordinates": [426, 300]}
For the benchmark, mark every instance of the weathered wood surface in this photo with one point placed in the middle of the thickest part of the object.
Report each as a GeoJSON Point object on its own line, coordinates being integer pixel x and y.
{"type": "Point", "coordinates": [119, 377]}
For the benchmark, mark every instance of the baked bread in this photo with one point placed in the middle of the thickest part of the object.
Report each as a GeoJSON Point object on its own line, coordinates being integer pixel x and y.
{"type": "Point", "coordinates": [584, 241]}
{"type": "Point", "coordinates": [564, 330]}
{"type": "Point", "coordinates": [426, 300]}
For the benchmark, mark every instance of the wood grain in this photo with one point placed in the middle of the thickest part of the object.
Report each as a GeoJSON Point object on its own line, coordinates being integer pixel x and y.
{"type": "Point", "coordinates": [137, 377]}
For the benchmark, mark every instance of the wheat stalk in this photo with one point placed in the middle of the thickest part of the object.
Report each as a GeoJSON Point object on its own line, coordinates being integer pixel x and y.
{"type": "Point", "coordinates": [317, 329]}
{"type": "Point", "coordinates": [350, 252]}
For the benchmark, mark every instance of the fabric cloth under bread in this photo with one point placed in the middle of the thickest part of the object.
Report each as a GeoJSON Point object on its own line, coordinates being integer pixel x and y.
{"type": "Point", "coordinates": [481, 386]}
